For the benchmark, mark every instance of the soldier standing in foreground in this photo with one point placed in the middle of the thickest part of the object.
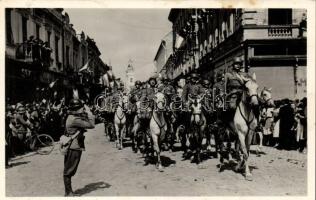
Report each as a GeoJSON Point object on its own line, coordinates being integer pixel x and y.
{"type": "Point", "coordinates": [79, 119]}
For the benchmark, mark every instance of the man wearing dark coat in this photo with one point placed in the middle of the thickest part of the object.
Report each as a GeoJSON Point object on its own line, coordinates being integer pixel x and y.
{"type": "Point", "coordinates": [80, 118]}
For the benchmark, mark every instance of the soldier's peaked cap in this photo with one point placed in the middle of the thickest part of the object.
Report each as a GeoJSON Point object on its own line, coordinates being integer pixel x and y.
{"type": "Point", "coordinates": [194, 75]}
{"type": "Point", "coordinates": [237, 60]}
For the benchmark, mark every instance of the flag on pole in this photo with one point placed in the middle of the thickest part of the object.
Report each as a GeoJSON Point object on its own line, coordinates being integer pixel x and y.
{"type": "Point", "coordinates": [179, 41]}
{"type": "Point", "coordinates": [85, 67]}
{"type": "Point", "coordinates": [51, 85]}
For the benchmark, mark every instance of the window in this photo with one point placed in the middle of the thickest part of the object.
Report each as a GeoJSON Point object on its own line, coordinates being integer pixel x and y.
{"type": "Point", "coordinates": [56, 49]}
{"type": "Point", "coordinates": [38, 27]}
{"type": "Point", "coordinates": [280, 16]}
{"type": "Point", "coordinates": [24, 28]}
{"type": "Point", "coordinates": [131, 80]}
{"type": "Point", "coordinates": [67, 56]}
{"type": "Point", "coordinates": [9, 35]}
{"type": "Point", "coordinates": [48, 37]}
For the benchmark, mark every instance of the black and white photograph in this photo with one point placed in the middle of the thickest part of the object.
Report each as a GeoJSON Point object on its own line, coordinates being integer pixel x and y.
{"type": "Point", "coordinates": [169, 102]}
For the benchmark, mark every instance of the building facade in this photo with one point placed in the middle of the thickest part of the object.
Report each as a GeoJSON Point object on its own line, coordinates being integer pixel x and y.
{"type": "Point", "coordinates": [272, 43]}
{"type": "Point", "coordinates": [164, 52]}
{"type": "Point", "coordinates": [42, 47]}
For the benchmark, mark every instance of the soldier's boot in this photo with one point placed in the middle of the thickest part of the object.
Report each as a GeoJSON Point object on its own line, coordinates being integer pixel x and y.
{"type": "Point", "coordinates": [68, 188]}
{"type": "Point", "coordinates": [231, 107]}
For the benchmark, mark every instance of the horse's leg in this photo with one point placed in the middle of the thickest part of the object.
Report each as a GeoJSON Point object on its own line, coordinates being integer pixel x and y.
{"type": "Point", "coordinates": [259, 147]}
{"type": "Point", "coordinates": [215, 135]}
{"type": "Point", "coordinates": [248, 141]}
{"type": "Point", "coordinates": [177, 134]}
{"type": "Point", "coordinates": [122, 136]}
{"type": "Point", "coordinates": [243, 162]}
{"type": "Point", "coordinates": [198, 145]}
{"type": "Point", "coordinates": [220, 143]}
{"type": "Point", "coordinates": [117, 132]}
{"type": "Point", "coordinates": [172, 137]}
{"type": "Point", "coordinates": [136, 142]}
{"type": "Point", "coordinates": [156, 149]}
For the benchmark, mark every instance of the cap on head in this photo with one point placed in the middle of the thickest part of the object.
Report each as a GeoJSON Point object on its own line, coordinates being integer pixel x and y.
{"type": "Point", "coordinates": [237, 60]}
{"type": "Point", "coordinates": [194, 77]}
{"type": "Point", "coordinates": [206, 82]}
{"type": "Point", "coordinates": [21, 109]}
{"type": "Point", "coordinates": [75, 104]}
{"type": "Point", "coordinates": [138, 83]}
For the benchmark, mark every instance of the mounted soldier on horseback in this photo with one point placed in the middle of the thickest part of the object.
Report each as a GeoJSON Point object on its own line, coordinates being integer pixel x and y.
{"type": "Point", "coordinates": [193, 94]}
{"type": "Point", "coordinates": [144, 112]}
{"type": "Point", "coordinates": [239, 115]}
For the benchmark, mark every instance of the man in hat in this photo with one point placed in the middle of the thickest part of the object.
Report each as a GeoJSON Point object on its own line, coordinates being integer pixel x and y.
{"type": "Point", "coordinates": [234, 82]}
{"type": "Point", "coordinates": [150, 91]}
{"type": "Point", "coordinates": [192, 89]}
{"type": "Point", "coordinates": [80, 118]}
{"type": "Point", "coordinates": [135, 93]}
{"type": "Point", "coordinates": [206, 85]}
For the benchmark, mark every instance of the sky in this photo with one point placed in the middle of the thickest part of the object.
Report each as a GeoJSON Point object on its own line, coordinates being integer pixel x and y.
{"type": "Point", "coordinates": [124, 34]}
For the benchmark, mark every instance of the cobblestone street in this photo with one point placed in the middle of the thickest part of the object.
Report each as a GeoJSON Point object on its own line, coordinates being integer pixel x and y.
{"type": "Point", "coordinates": [106, 171]}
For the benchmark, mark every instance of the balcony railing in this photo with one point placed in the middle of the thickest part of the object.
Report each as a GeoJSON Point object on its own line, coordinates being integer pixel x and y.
{"type": "Point", "coordinates": [280, 32]}
{"type": "Point", "coordinates": [30, 52]}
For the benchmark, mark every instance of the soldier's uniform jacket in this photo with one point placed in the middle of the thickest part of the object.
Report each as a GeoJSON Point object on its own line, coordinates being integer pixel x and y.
{"type": "Point", "coordinates": [145, 108]}
{"type": "Point", "coordinates": [168, 91]}
{"type": "Point", "coordinates": [193, 90]}
{"type": "Point", "coordinates": [233, 81]}
{"type": "Point", "coordinates": [79, 122]}
{"type": "Point", "coordinates": [135, 95]}
{"type": "Point", "coordinates": [148, 92]}
{"type": "Point", "coordinates": [219, 87]}
{"type": "Point", "coordinates": [108, 103]}
{"type": "Point", "coordinates": [115, 100]}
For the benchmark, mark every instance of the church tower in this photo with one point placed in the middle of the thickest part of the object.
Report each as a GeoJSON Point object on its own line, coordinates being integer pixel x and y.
{"type": "Point", "coordinates": [130, 77]}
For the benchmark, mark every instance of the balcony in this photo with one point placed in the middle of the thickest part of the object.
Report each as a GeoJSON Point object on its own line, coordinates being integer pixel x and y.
{"type": "Point", "coordinates": [271, 31]}
{"type": "Point", "coordinates": [34, 53]}
{"type": "Point", "coordinates": [280, 32]}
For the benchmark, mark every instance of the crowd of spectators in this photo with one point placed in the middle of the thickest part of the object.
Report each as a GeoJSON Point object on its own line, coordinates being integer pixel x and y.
{"type": "Point", "coordinates": [24, 119]}
{"type": "Point", "coordinates": [288, 130]}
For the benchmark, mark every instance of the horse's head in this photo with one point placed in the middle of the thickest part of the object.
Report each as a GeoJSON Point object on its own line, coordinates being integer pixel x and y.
{"type": "Point", "coordinates": [266, 96]}
{"type": "Point", "coordinates": [125, 101]}
{"type": "Point", "coordinates": [196, 105]}
{"type": "Point", "coordinates": [251, 90]}
{"type": "Point", "coordinates": [160, 101]}
{"type": "Point", "coordinates": [196, 109]}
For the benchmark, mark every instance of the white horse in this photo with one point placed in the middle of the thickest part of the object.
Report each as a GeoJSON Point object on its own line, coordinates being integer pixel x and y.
{"type": "Point", "coordinates": [158, 125]}
{"type": "Point", "coordinates": [120, 121]}
{"type": "Point", "coordinates": [245, 122]}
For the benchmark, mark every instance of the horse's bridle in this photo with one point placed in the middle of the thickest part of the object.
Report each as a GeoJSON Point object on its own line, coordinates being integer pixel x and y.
{"type": "Point", "coordinates": [122, 116]}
